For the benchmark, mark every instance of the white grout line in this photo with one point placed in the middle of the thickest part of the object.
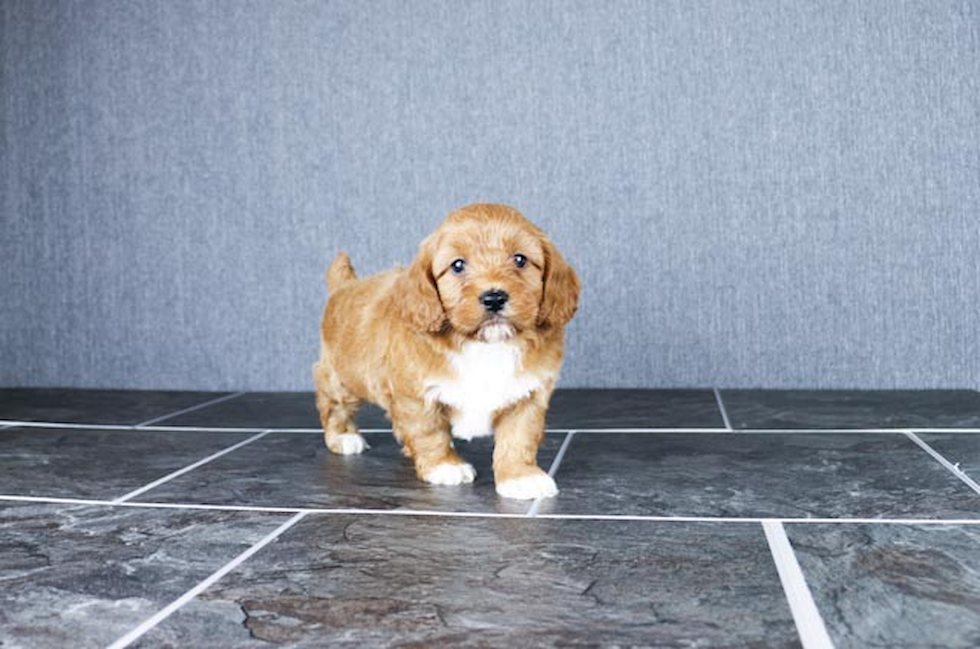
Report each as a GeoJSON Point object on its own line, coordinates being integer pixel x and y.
{"type": "Point", "coordinates": [191, 467]}
{"type": "Point", "coordinates": [459, 514]}
{"type": "Point", "coordinates": [954, 468]}
{"type": "Point", "coordinates": [625, 431]}
{"type": "Point", "coordinates": [337, 511]}
{"type": "Point", "coordinates": [168, 610]}
{"type": "Point", "coordinates": [636, 430]}
{"type": "Point", "coordinates": [51, 424]}
{"type": "Point", "coordinates": [47, 500]}
{"type": "Point", "coordinates": [201, 429]}
{"type": "Point", "coordinates": [721, 407]}
{"type": "Point", "coordinates": [809, 623]}
{"type": "Point", "coordinates": [757, 520]}
{"type": "Point", "coordinates": [353, 511]}
{"type": "Point", "coordinates": [551, 431]}
{"type": "Point", "coordinates": [319, 431]}
{"type": "Point", "coordinates": [212, 402]}
{"type": "Point", "coordinates": [254, 429]}
{"type": "Point", "coordinates": [552, 471]}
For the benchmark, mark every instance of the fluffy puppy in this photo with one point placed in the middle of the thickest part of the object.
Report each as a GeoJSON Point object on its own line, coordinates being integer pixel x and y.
{"type": "Point", "coordinates": [465, 342]}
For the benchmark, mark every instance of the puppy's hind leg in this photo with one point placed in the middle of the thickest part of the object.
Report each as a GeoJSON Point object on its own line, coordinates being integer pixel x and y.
{"type": "Point", "coordinates": [337, 408]}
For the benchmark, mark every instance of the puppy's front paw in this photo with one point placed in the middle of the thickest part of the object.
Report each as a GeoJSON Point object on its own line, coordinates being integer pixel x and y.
{"type": "Point", "coordinates": [529, 487]}
{"type": "Point", "coordinates": [449, 473]}
{"type": "Point", "coordinates": [347, 444]}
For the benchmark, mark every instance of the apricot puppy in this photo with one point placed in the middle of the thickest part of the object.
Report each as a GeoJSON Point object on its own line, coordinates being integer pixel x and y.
{"type": "Point", "coordinates": [466, 342]}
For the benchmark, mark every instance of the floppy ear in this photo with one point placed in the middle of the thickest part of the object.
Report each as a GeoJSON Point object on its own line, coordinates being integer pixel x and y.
{"type": "Point", "coordinates": [416, 295]}
{"type": "Point", "coordinates": [561, 289]}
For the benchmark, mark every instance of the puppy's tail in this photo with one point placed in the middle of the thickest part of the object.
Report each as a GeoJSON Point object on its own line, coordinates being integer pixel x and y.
{"type": "Point", "coordinates": [340, 273]}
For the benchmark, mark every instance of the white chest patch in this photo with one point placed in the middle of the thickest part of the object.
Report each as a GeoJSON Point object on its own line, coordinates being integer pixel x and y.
{"type": "Point", "coordinates": [486, 380]}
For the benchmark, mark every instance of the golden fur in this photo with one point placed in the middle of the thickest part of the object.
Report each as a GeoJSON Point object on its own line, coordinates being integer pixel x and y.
{"type": "Point", "coordinates": [390, 338]}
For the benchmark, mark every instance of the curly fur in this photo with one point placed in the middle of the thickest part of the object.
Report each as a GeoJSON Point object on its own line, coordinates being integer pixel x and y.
{"type": "Point", "coordinates": [418, 342]}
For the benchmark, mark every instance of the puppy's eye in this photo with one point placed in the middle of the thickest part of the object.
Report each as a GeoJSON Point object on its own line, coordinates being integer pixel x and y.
{"type": "Point", "coordinates": [458, 266]}
{"type": "Point", "coordinates": [520, 260]}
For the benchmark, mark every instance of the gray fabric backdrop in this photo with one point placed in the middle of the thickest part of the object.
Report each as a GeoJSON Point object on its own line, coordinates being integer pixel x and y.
{"type": "Point", "coordinates": [755, 193]}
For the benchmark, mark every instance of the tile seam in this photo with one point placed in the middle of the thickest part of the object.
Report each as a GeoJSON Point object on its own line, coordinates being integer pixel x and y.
{"type": "Point", "coordinates": [211, 402]}
{"type": "Point", "coordinates": [809, 623]}
{"type": "Point", "coordinates": [13, 423]}
{"type": "Point", "coordinates": [204, 429]}
{"type": "Point", "coordinates": [188, 468]}
{"type": "Point", "coordinates": [254, 429]}
{"type": "Point", "coordinates": [552, 471]}
{"type": "Point", "coordinates": [150, 623]}
{"type": "Point", "coordinates": [936, 455]}
{"type": "Point", "coordinates": [721, 408]}
{"type": "Point", "coordinates": [462, 514]}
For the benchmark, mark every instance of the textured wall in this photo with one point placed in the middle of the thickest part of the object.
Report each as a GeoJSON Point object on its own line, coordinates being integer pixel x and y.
{"type": "Point", "coordinates": [756, 193]}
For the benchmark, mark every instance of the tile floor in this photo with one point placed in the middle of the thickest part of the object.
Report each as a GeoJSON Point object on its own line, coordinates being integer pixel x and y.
{"type": "Point", "coordinates": [686, 518]}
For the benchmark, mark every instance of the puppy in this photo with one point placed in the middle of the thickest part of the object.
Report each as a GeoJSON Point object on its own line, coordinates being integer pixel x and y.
{"type": "Point", "coordinates": [466, 342]}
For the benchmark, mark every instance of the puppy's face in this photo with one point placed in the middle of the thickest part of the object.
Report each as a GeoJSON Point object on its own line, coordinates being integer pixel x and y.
{"type": "Point", "coordinates": [489, 274]}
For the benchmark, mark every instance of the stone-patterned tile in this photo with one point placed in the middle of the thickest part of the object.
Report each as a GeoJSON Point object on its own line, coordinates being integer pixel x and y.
{"type": "Point", "coordinates": [297, 470]}
{"type": "Point", "coordinates": [434, 582]}
{"type": "Point", "coordinates": [85, 576]}
{"type": "Point", "coordinates": [99, 464]}
{"type": "Point", "coordinates": [572, 408]}
{"type": "Point", "coordinates": [575, 408]}
{"type": "Point", "coordinates": [814, 409]}
{"type": "Point", "coordinates": [962, 449]}
{"type": "Point", "coordinates": [794, 475]}
{"type": "Point", "coordinates": [893, 586]}
{"type": "Point", "coordinates": [108, 407]}
{"type": "Point", "coordinates": [270, 410]}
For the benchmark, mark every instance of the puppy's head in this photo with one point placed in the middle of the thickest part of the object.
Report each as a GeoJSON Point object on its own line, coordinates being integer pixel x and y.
{"type": "Point", "coordinates": [489, 274]}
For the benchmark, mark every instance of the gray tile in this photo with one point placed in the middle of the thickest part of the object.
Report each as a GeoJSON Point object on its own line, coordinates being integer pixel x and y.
{"type": "Point", "coordinates": [111, 407]}
{"type": "Point", "coordinates": [296, 470]}
{"type": "Point", "coordinates": [788, 409]}
{"type": "Point", "coordinates": [270, 410]}
{"type": "Point", "coordinates": [574, 408]}
{"type": "Point", "coordinates": [435, 582]}
{"type": "Point", "coordinates": [570, 408]}
{"type": "Point", "coordinates": [795, 475]}
{"type": "Point", "coordinates": [98, 464]}
{"type": "Point", "coordinates": [893, 585]}
{"type": "Point", "coordinates": [83, 576]}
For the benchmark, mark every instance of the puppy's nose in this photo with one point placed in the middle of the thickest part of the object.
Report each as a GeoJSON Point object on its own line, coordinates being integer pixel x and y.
{"type": "Point", "coordinates": [494, 300]}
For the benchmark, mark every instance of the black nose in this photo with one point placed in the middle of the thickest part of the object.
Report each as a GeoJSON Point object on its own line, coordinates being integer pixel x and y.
{"type": "Point", "coordinates": [494, 300]}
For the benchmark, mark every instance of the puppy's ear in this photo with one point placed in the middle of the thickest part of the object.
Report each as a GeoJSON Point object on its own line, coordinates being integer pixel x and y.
{"type": "Point", "coordinates": [561, 289]}
{"type": "Point", "coordinates": [416, 296]}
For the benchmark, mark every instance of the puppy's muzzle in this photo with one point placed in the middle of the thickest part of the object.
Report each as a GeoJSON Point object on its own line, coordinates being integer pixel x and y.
{"type": "Point", "coordinates": [494, 300]}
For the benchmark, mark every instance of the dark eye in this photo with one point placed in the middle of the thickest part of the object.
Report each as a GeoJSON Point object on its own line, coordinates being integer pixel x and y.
{"type": "Point", "coordinates": [458, 266]}
{"type": "Point", "coordinates": [520, 260]}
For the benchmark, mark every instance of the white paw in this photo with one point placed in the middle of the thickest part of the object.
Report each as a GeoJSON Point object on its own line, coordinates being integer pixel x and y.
{"type": "Point", "coordinates": [451, 474]}
{"type": "Point", "coordinates": [539, 485]}
{"type": "Point", "coordinates": [351, 444]}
